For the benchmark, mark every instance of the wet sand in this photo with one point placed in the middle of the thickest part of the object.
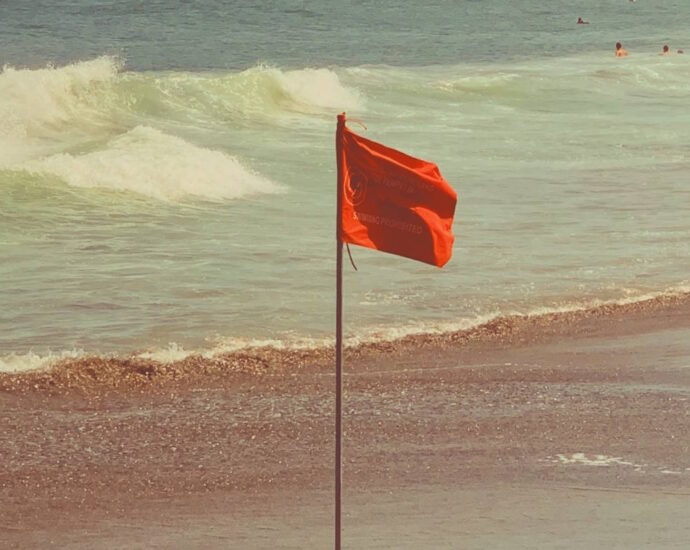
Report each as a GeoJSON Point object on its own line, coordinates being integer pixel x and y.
{"type": "Point", "coordinates": [564, 431]}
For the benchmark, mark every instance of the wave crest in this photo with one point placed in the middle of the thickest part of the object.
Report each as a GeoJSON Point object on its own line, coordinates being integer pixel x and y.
{"type": "Point", "coordinates": [157, 165]}
{"type": "Point", "coordinates": [260, 92]}
{"type": "Point", "coordinates": [38, 103]}
{"type": "Point", "coordinates": [32, 101]}
{"type": "Point", "coordinates": [318, 89]}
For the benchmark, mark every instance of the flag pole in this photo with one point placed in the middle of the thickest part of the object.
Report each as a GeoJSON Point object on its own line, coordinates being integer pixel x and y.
{"type": "Point", "coordinates": [339, 329]}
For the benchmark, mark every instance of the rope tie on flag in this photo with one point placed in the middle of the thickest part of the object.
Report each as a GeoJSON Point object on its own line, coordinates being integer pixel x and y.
{"type": "Point", "coordinates": [358, 121]}
{"type": "Point", "coordinates": [350, 255]}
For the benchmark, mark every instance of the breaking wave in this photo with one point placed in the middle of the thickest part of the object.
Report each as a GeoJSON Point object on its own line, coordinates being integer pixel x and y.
{"type": "Point", "coordinates": [36, 102]}
{"type": "Point", "coordinates": [151, 163]}
{"type": "Point", "coordinates": [249, 356]}
{"type": "Point", "coordinates": [260, 92]}
{"type": "Point", "coordinates": [93, 124]}
{"type": "Point", "coordinates": [40, 102]}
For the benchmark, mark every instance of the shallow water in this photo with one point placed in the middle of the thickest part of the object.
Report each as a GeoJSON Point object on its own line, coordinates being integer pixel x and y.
{"type": "Point", "coordinates": [163, 192]}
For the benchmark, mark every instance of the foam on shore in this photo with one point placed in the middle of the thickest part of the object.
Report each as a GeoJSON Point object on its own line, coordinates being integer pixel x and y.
{"type": "Point", "coordinates": [85, 372]}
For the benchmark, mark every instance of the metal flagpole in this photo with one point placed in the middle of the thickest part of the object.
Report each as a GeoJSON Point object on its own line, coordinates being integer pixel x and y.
{"type": "Point", "coordinates": [339, 329]}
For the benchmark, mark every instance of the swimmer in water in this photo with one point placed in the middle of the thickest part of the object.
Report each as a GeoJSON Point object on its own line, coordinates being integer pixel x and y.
{"type": "Point", "coordinates": [665, 50]}
{"type": "Point", "coordinates": [581, 22]}
{"type": "Point", "coordinates": [620, 51]}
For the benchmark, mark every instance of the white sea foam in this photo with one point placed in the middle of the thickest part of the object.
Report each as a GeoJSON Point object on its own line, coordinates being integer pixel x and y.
{"type": "Point", "coordinates": [318, 88]}
{"type": "Point", "coordinates": [32, 100]}
{"type": "Point", "coordinates": [41, 108]}
{"type": "Point", "coordinates": [151, 163]}
{"type": "Point", "coordinates": [367, 335]}
{"type": "Point", "coordinates": [595, 460]}
{"type": "Point", "coordinates": [17, 363]}
{"type": "Point", "coordinates": [172, 353]}
{"type": "Point", "coordinates": [480, 82]}
{"type": "Point", "coordinates": [605, 461]}
{"type": "Point", "coordinates": [36, 101]}
{"type": "Point", "coordinates": [51, 109]}
{"type": "Point", "coordinates": [388, 333]}
{"type": "Point", "coordinates": [262, 92]}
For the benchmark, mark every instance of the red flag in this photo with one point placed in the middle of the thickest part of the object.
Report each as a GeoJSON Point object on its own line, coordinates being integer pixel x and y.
{"type": "Point", "coordinates": [392, 202]}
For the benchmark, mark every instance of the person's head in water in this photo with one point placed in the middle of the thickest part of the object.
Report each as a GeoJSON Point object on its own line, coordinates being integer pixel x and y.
{"type": "Point", "coordinates": [666, 49]}
{"type": "Point", "coordinates": [620, 51]}
{"type": "Point", "coordinates": [618, 46]}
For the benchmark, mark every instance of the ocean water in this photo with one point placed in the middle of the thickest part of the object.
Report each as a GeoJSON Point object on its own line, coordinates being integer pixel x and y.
{"type": "Point", "coordinates": [167, 168]}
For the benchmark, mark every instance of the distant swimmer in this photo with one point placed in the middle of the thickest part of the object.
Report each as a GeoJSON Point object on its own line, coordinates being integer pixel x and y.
{"type": "Point", "coordinates": [665, 50]}
{"type": "Point", "coordinates": [620, 51]}
{"type": "Point", "coordinates": [680, 51]}
{"type": "Point", "coordinates": [581, 22]}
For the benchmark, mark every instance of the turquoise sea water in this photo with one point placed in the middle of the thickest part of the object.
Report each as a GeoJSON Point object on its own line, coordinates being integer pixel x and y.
{"type": "Point", "coordinates": [167, 169]}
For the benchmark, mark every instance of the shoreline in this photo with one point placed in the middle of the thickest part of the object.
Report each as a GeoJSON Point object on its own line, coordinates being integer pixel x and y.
{"type": "Point", "coordinates": [104, 373]}
{"type": "Point", "coordinates": [472, 438]}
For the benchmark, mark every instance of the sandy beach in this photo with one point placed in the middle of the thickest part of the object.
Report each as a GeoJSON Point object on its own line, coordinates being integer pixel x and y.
{"type": "Point", "coordinates": [561, 431]}
{"type": "Point", "coordinates": [176, 179]}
